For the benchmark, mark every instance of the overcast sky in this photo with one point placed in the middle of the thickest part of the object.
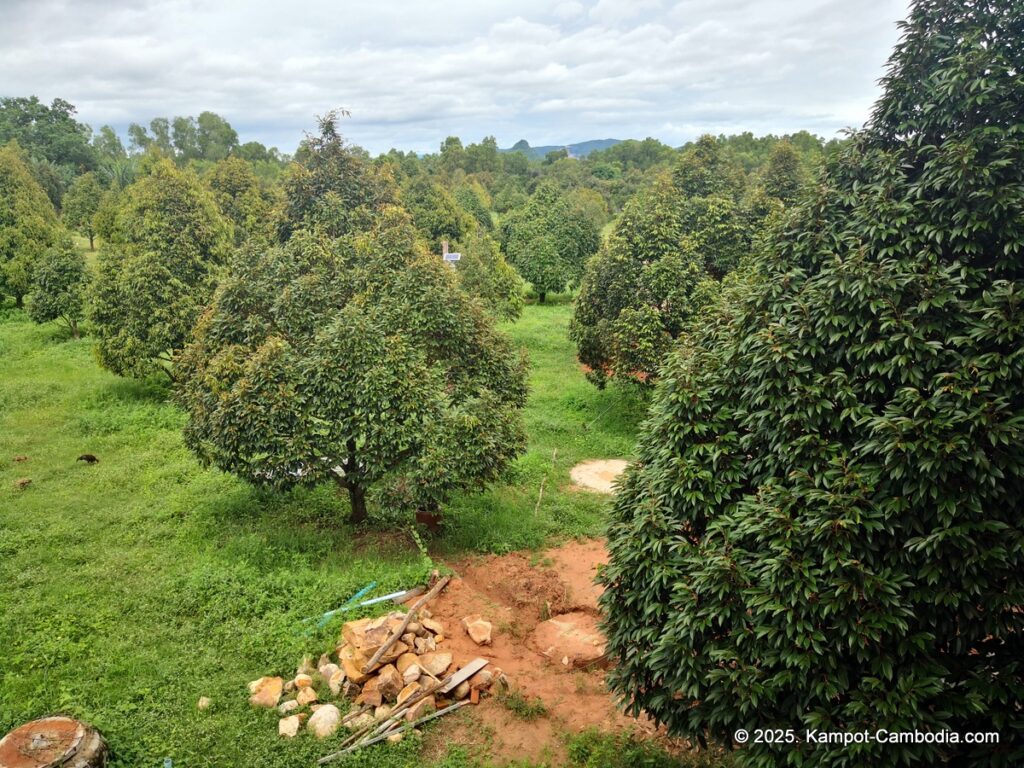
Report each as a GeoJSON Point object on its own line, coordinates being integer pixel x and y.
{"type": "Point", "coordinates": [412, 72]}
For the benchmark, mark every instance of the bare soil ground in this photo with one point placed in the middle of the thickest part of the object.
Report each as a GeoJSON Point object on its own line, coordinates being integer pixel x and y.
{"type": "Point", "coordinates": [517, 592]}
{"type": "Point", "coordinates": [598, 474]}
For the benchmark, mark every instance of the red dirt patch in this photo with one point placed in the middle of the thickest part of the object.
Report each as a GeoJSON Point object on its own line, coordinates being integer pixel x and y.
{"type": "Point", "coordinates": [516, 595]}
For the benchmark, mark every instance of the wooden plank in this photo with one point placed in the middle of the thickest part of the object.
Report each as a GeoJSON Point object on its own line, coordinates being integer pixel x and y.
{"type": "Point", "coordinates": [464, 674]}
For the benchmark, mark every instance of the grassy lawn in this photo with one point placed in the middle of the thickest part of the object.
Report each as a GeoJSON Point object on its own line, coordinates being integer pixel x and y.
{"type": "Point", "coordinates": [135, 586]}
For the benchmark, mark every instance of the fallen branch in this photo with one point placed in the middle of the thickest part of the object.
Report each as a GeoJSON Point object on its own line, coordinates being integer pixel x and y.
{"type": "Point", "coordinates": [381, 737]}
{"type": "Point", "coordinates": [368, 667]}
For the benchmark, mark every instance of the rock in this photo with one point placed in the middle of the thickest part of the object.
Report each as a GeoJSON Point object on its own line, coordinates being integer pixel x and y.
{"type": "Point", "coordinates": [203, 704]}
{"type": "Point", "coordinates": [435, 663]}
{"type": "Point", "coordinates": [434, 626]}
{"type": "Point", "coordinates": [409, 639]}
{"type": "Point", "coordinates": [367, 635]}
{"type": "Point", "coordinates": [423, 707]}
{"type": "Point", "coordinates": [303, 681]}
{"type": "Point", "coordinates": [370, 698]}
{"type": "Point", "coordinates": [389, 682]}
{"type": "Point", "coordinates": [289, 726]}
{"type": "Point", "coordinates": [412, 674]}
{"type": "Point", "coordinates": [381, 712]}
{"type": "Point", "coordinates": [461, 690]}
{"type": "Point", "coordinates": [410, 690]}
{"type": "Point", "coordinates": [325, 721]}
{"type": "Point", "coordinates": [289, 686]}
{"type": "Point", "coordinates": [424, 613]}
{"type": "Point", "coordinates": [481, 679]}
{"type": "Point", "coordinates": [306, 696]}
{"type": "Point", "coordinates": [352, 661]}
{"type": "Point", "coordinates": [406, 660]}
{"type": "Point", "coordinates": [416, 628]}
{"type": "Point", "coordinates": [327, 670]}
{"type": "Point", "coordinates": [573, 638]}
{"type": "Point", "coordinates": [358, 723]}
{"type": "Point", "coordinates": [266, 691]}
{"type": "Point", "coordinates": [438, 639]}
{"type": "Point", "coordinates": [425, 644]}
{"type": "Point", "coordinates": [394, 738]}
{"type": "Point", "coordinates": [288, 706]}
{"type": "Point", "coordinates": [305, 666]}
{"type": "Point", "coordinates": [323, 661]}
{"type": "Point", "coordinates": [478, 628]}
{"type": "Point", "coordinates": [336, 681]}
{"type": "Point", "coordinates": [392, 653]}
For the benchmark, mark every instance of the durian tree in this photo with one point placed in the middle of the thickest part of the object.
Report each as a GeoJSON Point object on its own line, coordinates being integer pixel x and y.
{"type": "Point", "coordinates": [28, 223]}
{"type": "Point", "coordinates": [548, 241]}
{"type": "Point", "coordinates": [357, 361]}
{"type": "Point", "coordinates": [823, 529]}
{"type": "Point", "coordinates": [156, 271]}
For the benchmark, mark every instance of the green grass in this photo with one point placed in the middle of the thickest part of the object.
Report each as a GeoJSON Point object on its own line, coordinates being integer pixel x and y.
{"type": "Point", "coordinates": [135, 586]}
{"type": "Point", "coordinates": [523, 707]}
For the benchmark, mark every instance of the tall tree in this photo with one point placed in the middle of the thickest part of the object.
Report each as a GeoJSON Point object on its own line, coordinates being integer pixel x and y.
{"type": "Point", "coordinates": [80, 205]}
{"type": "Point", "coordinates": [49, 133]}
{"type": "Point", "coordinates": [157, 270]}
{"type": "Point", "coordinates": [822, 529]}
{"type": "Point", "coordinates": [28, 223]}
{"type": "Point", "coordinates": [215, 136]}
{"type": "Point", "coordinates": [356, 361]}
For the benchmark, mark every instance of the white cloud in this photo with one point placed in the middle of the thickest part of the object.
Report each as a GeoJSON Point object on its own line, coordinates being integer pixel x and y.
{"type": "Point", "coordinates": [413, 72]}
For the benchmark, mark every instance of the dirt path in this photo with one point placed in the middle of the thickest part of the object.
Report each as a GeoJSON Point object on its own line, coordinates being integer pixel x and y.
{"type": "Point", "coordinates": [518, 592]}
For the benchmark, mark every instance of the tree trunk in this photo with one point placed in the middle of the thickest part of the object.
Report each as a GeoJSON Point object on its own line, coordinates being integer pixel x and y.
{"type": "Point", "coordinates": [543, 294]}
{"type": "Point", "coordinates": [19, 301]}
{"type": "Point", "coordinates": [91, 246]}
{"type": "Point", "coordinates": [74, 328]}
{"type": "Point", "coordinates": [357, 498]}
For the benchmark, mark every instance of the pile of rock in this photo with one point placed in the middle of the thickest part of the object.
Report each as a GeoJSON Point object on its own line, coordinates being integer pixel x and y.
{"type": "Point", "coordinates": [386, 668]}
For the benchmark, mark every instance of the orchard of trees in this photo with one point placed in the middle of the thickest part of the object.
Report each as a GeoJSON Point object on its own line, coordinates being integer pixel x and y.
{"type": "Point", "coordinates": [821, 529]}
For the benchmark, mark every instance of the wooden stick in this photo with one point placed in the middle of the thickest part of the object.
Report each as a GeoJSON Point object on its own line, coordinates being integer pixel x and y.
{"type": "Point", "coordinates": [401, 709]}
{"type": "Point", "coordinates": [335, 755]}
{"type": "Point", "coordinates": [405, 623]}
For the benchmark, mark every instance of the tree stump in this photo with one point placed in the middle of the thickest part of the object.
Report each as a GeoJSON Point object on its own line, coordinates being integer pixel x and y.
{"type": "Point", "coordinates": [53, 742]}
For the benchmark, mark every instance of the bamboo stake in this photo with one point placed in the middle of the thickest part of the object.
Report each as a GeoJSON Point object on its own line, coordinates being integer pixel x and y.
{"type": "Point", "coordinates": [405, 623]}
{"type": "Point", "coordinates": [335, 755]}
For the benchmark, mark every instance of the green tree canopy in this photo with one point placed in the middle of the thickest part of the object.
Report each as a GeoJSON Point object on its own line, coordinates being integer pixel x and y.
{"type": "Point", "coordinates": [484, 273]}
{"type": "Point", "coordinates": [47, 132]}
{"type": "Point", "coordinates": [357, 361]}
{"type": "Point", "coordinates": [784, 174]}
{"type": "Point", "coordinates": [239, 198]}
{"type": "Point", "coordinates": [331, 186]}
{"type": "Point", "coordinates": [157, 270]}
{"type": "Point", "coordinates": [81, 203]}
{"type": "Point", "coordinates": [822, 529]}
{"type": "Point", "coordinates": [434, 211]}
{"type": "Point", "coordinates": [28, 223]}
{"type": "Point", "coordinates": [59, 284]}
{"type": "Point", "coordinates": [548, 241]}
{"type": "Point", "coordinates": [658, 268]}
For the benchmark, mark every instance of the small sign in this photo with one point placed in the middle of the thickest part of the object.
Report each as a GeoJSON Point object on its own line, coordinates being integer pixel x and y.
{"type": "Point", "coordinates": [452, 256]}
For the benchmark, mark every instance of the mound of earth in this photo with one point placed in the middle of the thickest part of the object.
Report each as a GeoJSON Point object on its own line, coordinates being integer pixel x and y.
{"type": "Point", "coordinates": [544, 612]}
{"type": "Point", "coordinates": [598, 474]}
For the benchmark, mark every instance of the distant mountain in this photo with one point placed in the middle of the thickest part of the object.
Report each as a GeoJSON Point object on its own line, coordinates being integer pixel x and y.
{"type": "Point", "coordinates": [580, 149]}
